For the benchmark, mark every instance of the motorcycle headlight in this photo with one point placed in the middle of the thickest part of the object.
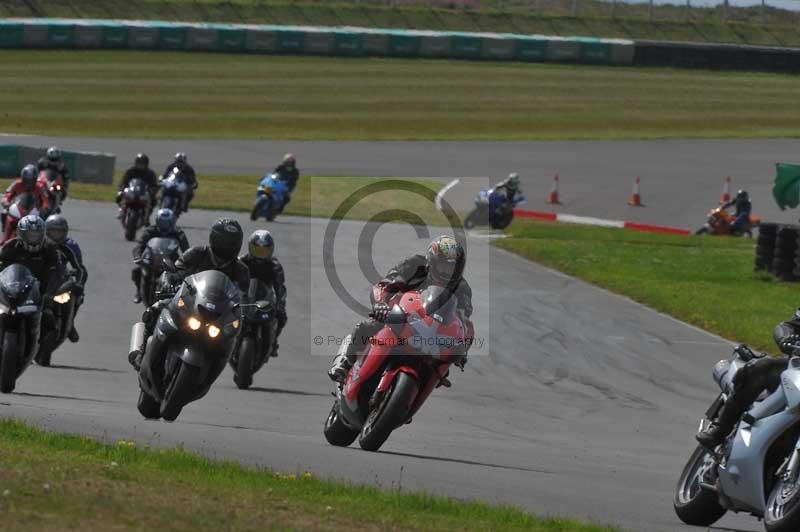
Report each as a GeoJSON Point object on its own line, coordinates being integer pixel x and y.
{"type": "Point", "coordinates": [213, 331]}
{"type": "Point", "coordinates": [194, 323]}
{"type": "Point", "coordinates": [181, 303]}
{"type": "Point", "coordinates": [235, 324]}
{"type": "Point", "coordinates": [62, 298]}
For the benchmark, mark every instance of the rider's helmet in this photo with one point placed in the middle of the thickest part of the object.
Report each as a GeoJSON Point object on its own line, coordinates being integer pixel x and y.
{"type": "Point", "coordinates": [165, 221]}
{"type": "Point", "coordinates": [53, 154]}
{"type": "Point", "coordinates": [225, 241]}
{"type": "Point", "coordinates": [142, 161]}
{"type": "Point", "coordinates": [181, 160]}
{"type": "Point", "coordinates": [28, 176]}
{"type": "Point", "coordinates": [261, 245]}
{"type": "Point", "coordinates": [56, 228]}
{"type": "Point", "coordinates": [513, 180]}
{"type": "Point", "coordinates": [31, 232]}
{"type": "Point", "coordinates": [742, 195]}
{"type": "Point", "coordinates": [289, 161]}
{"type": "Point", "coordinates": [445, 261]}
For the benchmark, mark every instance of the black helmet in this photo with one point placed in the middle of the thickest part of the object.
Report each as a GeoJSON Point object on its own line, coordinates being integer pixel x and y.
{"type": "Point", "coordinates": [742, 195]}
{"type": "Point", "coordinates": [53, 154]}
{"type": "Point", "coordinates": [31, 231]}
{"type": "Point", "coordinates": [446, 259]}
{"type": "Point", "coordinates": [56, 228]}
{"type": "Point", "coordinates": [165, 221]}
{"type": "Point", "coordinates": [142, 160]}
{"type": "Point", "coordinates": [181, 160]}
{"type": "Point", "coordinates": [225, 240]}
{"type": "Point", "coordinates": [29, 176]}
{"type": "Point", "coordinates": [261, 245]}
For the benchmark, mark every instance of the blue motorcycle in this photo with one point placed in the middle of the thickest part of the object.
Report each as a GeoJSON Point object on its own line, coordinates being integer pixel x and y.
{"type": "Point", "coordinates": [174, 192]}
{"type": "Point", "coordinates": [270, 195]}
{"type": "Point", "coordinates": [493, 208]}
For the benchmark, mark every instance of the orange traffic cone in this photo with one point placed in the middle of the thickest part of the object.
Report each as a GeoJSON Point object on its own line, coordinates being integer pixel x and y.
{"type": "Point", "coordinates": [553, 196]}
{"type": "Point", "coordinates": [726, 191]}
{"type": "Point", "coordinates": [636, 198]}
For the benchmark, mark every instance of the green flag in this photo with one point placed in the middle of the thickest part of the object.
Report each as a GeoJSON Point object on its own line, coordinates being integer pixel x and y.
{"type": "Point", "coordinates": [786, 190]}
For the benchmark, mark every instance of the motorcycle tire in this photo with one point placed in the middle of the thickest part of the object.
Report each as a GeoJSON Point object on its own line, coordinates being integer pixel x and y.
{"type": "Point", "coordinates": [389, 414]}
{"type": "Point", "coordinates": [336, 432]}
{"type": "Point", "coordinates": [693, 505]}
{"type": "Point", "coordinates": [179, 391]}
{"type": "Point", "coordinates": [130, 227]}
{"type": "Point", "coordinates": [777, 517]}
{"type": "Point", "coordinates": [8, 364]}
{"type": "Point", "coordinates": [702, 231]}
{"type": "Point", "coordinates": [254, 212]}
{"type": "Point", "coordinates": [470, 221]}
{"type": "Point", "coordinates": [148, 407]}
{"type": "Point", "coordinates": [243, 376]}
{"type": "Point", "coordinates": [45, 354]}
{"type": "Point", "coordinates": [504, 221]}
{"type": "Point", "coordinates": [768, 228]}
{"type": "Point", "coordinates": [766, 250]}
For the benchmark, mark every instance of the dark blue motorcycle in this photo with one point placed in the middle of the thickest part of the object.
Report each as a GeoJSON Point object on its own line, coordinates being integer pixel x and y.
{"type": "Point", "coordinates": [493, 208]}
{"type": "Point", "coordinates": [270, 195]}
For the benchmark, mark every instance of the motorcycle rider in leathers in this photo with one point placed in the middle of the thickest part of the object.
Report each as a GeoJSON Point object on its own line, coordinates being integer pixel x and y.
{"type": "Point", "coordinates": [225, 241]}
{"type": "Point", "coordinates": [181, 162]}
{"type": "Point", "coordinates": [27, 183]}
{"type": "Point", "coordinates": [140, 170]}
{"type": "Point", "coordinates": [57, 229]}
{"type": "Point", "coordinates": [265, 267]}
{"type": "Point", "coordinates": [164, 227]}
{"type": "Point", "coordinates": [443, 265]}
{"type": "Point", "coordinates": [761, 373]}
{"type": "Point", "coordinates": [53, 161]}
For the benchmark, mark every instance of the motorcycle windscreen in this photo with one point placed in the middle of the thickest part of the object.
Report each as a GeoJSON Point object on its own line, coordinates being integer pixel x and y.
{"type": "Point", "coordinates": [164, 247]}
{"type": "Point", "coordinates": [19, 287]}
{"type": "Point", "coordinates": [214, 295]}
{"type": "Point", "coordinates": [440, 303]}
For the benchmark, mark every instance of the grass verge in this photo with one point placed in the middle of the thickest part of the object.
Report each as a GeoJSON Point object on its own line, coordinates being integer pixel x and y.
{"type": "Point", "coordinates": [749, 25]}
{"type": "Point", "coordinates": [705, 281]}
{"type": "Point", "coordinates": [195, 95]}
{"type": "Point", "coordinates": [316, 196]}
{"type": "Point", "coordinates": [54, 482]}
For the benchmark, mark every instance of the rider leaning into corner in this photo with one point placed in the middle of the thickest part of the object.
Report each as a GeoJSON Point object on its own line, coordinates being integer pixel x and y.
{"type": "Point", "coordinates": [265, 267]}
{"type": "Point", "coordinates": [743, 209]}
{"type": "Point", "coordinates": [443, 265]}
{"type": "Point", "coordinates": [57, 230]}
{"type": "Point", "coordinates": [510, 186]}
{"type": "Point", "coordinates": [181, 162]}
{"type": "Point", "coordinates": [140, 170]}
{"type": "Point", "coordinates": [54, 161]}
{"type": "Point", "coordinates": [224, 243]}
{"type": "Point", "coordinates": [761, 373]}
{"type": "Point", "coordinates": [165, 227]}
{"type": "Point", "coordinates": [287, 172]}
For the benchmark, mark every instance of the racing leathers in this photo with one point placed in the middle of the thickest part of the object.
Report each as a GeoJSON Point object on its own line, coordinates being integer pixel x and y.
{"type": "Point", "coordinates": [511, 190]}
{"type": "Point", "coordinates": [759, 374]}
{"type": "Point", "coordinates": [150, 180]}
{"type": "Point", "coordinates": [59, 168]}
{"type": "Point", "coordinates": [410, 274]}
{"type": "Point", "coordinates": [38, 192]}
{"type": "Point", "coordinates": [742, 215]}
{"type": "Point", "coordinates": [67, 250]}
{"type": "Point", "coordinates": [141, 244]}
{"type": "Point", "coordinates": [270, 272]}
{"type": "Point", "coordinates": [289, 175]}
{"type": "Point", "coordinates": [189, 176]}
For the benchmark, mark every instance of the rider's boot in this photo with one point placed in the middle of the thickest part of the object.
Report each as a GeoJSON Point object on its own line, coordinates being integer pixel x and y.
{"type": "Point", "coordinates": [718, 430]}
{"type": "Point", "coordinates": [73, 335]}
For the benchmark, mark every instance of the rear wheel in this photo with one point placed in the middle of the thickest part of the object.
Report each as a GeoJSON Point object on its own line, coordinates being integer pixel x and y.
{"type": "Point", "coordinates": [8, 364]}
{"type": "Point", "coordinates": [179, 391]}
{"type": "Point", "coordinates": [148, 406]}
{"type": "Point", "coordinates": [243, 377]}
{"type": "Point", "coordinates": [693, 504]}
{"type": "Point", "coordinates": [390, 414]}
{"type": "Point", "coordinates": [256, 209]}
{"type": "Point", "coordinates": [336, 432]}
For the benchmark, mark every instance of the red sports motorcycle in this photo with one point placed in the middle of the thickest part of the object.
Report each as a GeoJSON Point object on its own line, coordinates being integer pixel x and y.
{"type": "Point", "coordinates": [24, 204]}
{"type": "Point", "coordinates": [53, 184]}
{"type": "Point", "coordinates": [134, 208]}
{"type": "Point", "coordinates": [399, 369]}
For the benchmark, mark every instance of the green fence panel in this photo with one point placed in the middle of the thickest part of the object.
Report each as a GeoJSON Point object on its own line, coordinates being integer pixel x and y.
{"type": "Point", "coordinates": [142, 37]}
{"type": "Point", "coordinates": [622, 53]}
{"type": "Point", "coordinates": [595, 51]}
{"type": "Point", "coordinates": [88, 36]}
{"type": "Point", "coordinates": [435, 45]}
{"type": "Point", "coordinates": [376, 43]}
{"type": "Point", "coordinates": [198, 38]}
{"type": "Point", "coordinates": [171, 38]}
{"type": "Point", "coordinates": [231, 40]}
{"type": "Point", "coordinates": [404, 44]}
{"type": "Point", "coordinates": [289, 41]}
{"type": "Point", "coordinates": [9, 160]}
{"type": "Point", "coordinates": [466, 46]}
{"type": "Point", "coordinates": [348, 43]}
{"type": "Point", "coordinates": [69, 158]}
{"type": "Point", "coordinates": [531, 49]}
{"type": "Point", "coordinates": [35, 35]}
{"type": "Point", "coordinates": [498, 48]}
{"type": "Point", "coordinates": [259, 40]}
{"type": "Point", "coordinates": [318, 42]}
{"type": "Point", "coordinates": [115, 36]}
{"type": "Point", "coordinates": [30, 155]}
{"type": "Point", "coordinates": [11, 35]}
{"type": "Point", "coordinates": [61, 36]}
{"type": "Point", "coordinates": [563, 50]}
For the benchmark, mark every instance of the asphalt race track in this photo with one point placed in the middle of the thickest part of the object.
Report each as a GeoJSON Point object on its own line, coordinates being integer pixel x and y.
{"type": "Point", "coordinates": [582, 403]}
{"type": "Point", "coordinates": [681, 179]}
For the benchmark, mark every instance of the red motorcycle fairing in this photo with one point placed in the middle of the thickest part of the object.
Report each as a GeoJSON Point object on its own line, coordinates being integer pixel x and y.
{"type": "Point", "coordinates": [374, 359]}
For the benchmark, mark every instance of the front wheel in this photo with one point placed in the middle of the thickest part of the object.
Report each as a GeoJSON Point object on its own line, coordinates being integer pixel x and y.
{"type": "Point", "coordinates": [471, 220]}
{"type": "Point", "coordinates": [243, 377]}
{"type": "Point", "coordinates": [389, 414]}
{"type": "Point", "coordinates": [693, 504]}
{"type": "Point", "coordinates": [783, 507]}
{"type": "Point", "coordinates": [131, 224]}
{"type": "Point", "coordinates": [180, 391]}
{"type": "Point", "coordinates": [8, 364]}
{"type": "Point", "coordinates": [703, 230]}
{"type": "Point", "coordinates": [148, 406]}
{"type": "Point", "coordinates": [336, 432]}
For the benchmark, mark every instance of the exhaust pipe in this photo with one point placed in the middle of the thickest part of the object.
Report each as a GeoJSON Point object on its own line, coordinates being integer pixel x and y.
{"type": "Point", "coordinates": [137, 337]}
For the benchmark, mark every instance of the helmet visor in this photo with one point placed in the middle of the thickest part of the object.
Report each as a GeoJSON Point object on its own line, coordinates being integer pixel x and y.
{"type": "Point", "coordinates": [57, 234]}
{"type": "Point", "coordinates": [261, 252]}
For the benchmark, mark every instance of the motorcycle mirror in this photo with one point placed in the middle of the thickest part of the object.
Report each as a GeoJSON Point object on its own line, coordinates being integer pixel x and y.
{"type": "Point", "coordinates": [262, 305]}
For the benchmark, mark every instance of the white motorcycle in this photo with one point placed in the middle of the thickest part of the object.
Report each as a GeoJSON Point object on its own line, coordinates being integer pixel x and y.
{"type": "Point", "coordinates": [757, 469]}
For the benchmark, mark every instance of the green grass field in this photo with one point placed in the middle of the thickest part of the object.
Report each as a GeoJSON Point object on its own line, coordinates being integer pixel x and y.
{"type": "Point", "coordinates": [705, 281]}
{"type": "Point", "coordinates": [553, 17]}
{"type": "Point", "coordinates": [51, 482]}
{"type": "Point", "coordinates": [133, 94]}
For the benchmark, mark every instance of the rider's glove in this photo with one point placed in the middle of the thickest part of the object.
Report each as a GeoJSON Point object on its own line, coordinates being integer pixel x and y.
{"type": "Point", "coordinates": [461, 363]}
{"type": "Point", "coordinates": [790, 343]}
{"type": "Point", "coordinates": [119, 197]}
{"type": "Point", "coordinates": [380, 311]}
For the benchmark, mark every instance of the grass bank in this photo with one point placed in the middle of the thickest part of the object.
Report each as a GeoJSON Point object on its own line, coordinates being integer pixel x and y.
{"type": "Point", "coordinates": [705, 281]}
{"type": "Point", "coordinates": [750, 25]}
{"type": "Point", "coordinates": [188, 95]}
{"type": "Point", "coordinates": [317, 196]}
{"type": "Point", "coordinates": [52, 482]}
